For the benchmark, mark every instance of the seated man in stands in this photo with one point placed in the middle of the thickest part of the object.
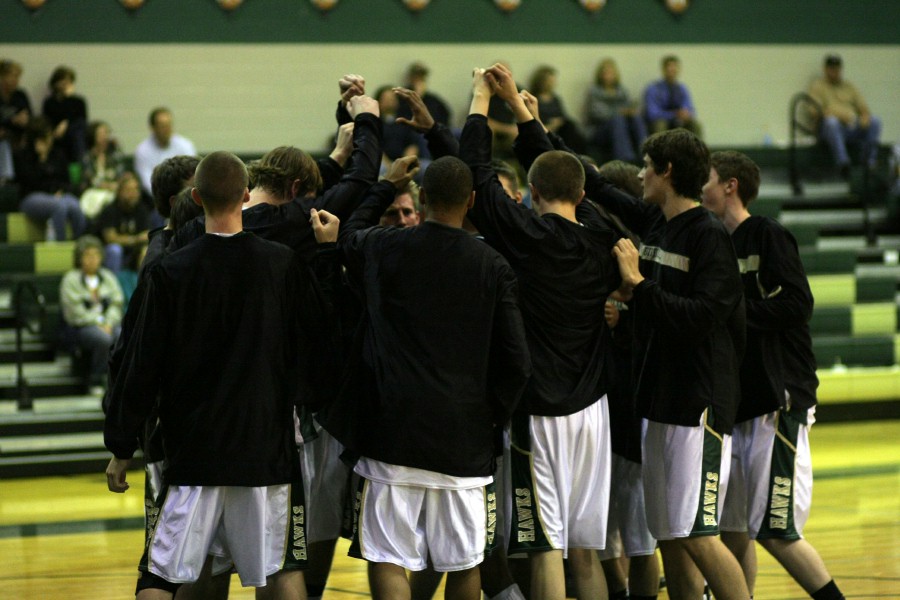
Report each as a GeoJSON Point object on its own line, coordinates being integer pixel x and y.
{"type": "Point", "coordinates": [845, 116]}
{"type": "Point", "coordinates": [667, 102]}
{"type": "Point", "coordinates": [162, 143]}
{"type": "Point", "coordinates": [91, 301]}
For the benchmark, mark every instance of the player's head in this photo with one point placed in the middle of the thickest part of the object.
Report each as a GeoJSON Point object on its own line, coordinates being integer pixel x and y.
{"type": "Point", "coordinates": [509, 179]}
{"type": "Point", "coordinates": [738, 166]}
{"type": "Point", "coordinates": [220, 182]}
{"type": "Point", "coordinates": [184, 209]}
{"type": "Point", "coordinates": [405, 209]}
{"type": "Point", "coordinates": [556, 175]}
{"type": "Point", "coordinates": [286, 172]}
{"type": "Point", "coordinates": [682, 155]}
{"type": "Point", "coordinates": [623, 175]}
{"type": "Point", "coordinates": [168, 178]}
{"type": "Point", "coordinates": [447, 185]}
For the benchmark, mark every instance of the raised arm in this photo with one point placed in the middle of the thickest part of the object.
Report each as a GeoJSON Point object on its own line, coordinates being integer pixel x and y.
{"type": "Point", "coordinates": [507, 226]}
{"type": "Point", "coordinates": [332, 166]}
{"type": "Point", "coordinates": [352, 235]}
{"type": "Point", "coordinates": [365, 162]}
{"type": "Point", "coordinates": [350, 85]}
{"type": "Point", "coordinates": [439, 137]}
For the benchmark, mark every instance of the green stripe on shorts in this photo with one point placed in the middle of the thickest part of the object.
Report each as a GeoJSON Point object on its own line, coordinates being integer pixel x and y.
{"type": "Point", "coordinates": [152, 507]}
{"type": "Point", "coordinates": [355, 546]}
{"type": "Point", "coordinates": [527, 532]}
{"type": "Point", "coordinates": [707, 521]}
{"type": "Point", "coordinates": [490, 512]}
{"type": "Point", "coordinates": [295, 549]}
{"type": "Point", "coordinates": [779, 520]}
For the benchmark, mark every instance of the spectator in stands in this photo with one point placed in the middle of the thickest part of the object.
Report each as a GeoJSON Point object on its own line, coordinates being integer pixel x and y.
{"type": "Point", "coordinates": [101, 168]}
{"type": "Point", "coordinates": [44, 187]}
{"type": "Point", "coordinates": [405, 210]}
{"type": "Point", "coordinates": [615, 121]}
{"type": "Point", "coordinates": [124, 224]}
{"type": "Point", "coordinates": [667, 102]}
{"type": "Point", "coordinates": [15, 112]}
{"type": "Point", "coordinates": [416, 80]}
{"type": "Point", "coordinates": [91, 301]}
{"type": "Point", "coordinates": [67, 114]}
{"type": "Point", "coordinates": [162, 143]}
{"type": "Point", "coordinates": [553, 114]}
{"type": "Point", "coordinates": [845, 116]}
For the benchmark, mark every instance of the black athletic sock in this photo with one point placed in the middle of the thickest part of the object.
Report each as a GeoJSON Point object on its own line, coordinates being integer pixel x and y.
{"type": "Point", "coordinates": [314, 591]}
{"type": "Point", "coordinates": [829, 591]}
{"type": "Point", "coordinates": [620, 595]}
{"type": "Point", "coordinates": [633, 597]}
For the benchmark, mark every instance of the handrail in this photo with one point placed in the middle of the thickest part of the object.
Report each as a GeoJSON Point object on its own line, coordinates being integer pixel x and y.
{"type": "Point", "coordinates": [22, 288]}
{"type": "Point", "coordinates": [795, 123]}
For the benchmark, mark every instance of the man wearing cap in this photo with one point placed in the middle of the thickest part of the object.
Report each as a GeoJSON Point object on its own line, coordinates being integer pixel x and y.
{"type": "Point", "coordinates": [845, 116]}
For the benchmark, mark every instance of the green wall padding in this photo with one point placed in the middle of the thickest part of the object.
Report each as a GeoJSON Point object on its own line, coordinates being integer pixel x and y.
{"type": "Point", "coordinates": [456, 21]}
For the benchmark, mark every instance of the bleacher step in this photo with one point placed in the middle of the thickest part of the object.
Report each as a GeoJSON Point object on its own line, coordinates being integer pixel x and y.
{"type": "Point", "coordinates": [828, 217]}
{"type": "Point", "coordinates": [34, 445]}
{"type": "Point", "coordinates": [31, 352]}
{"type": "Point", "coordinates": [56, 464]}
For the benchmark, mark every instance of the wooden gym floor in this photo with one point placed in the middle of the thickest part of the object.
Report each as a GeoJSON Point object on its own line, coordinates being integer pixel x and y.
{"type": "Point", "coordinates": [67, 537]}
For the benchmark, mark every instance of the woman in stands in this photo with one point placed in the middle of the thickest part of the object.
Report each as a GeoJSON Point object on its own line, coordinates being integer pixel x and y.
{"type": "Point", "coordinates": [101, 167]}
{"type": "Point", "coordinates": [615, 121]}
{"type": "Point", "coordinates": [550, 106]}
{"type": "Point", "coordinates": [44, 186]}
{"type": "Point", "coordinates": [67, 113]}
{"type": "Point", "coordinates": [91, 301]}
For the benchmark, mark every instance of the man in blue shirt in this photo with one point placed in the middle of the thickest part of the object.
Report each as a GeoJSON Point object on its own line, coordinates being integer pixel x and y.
{"type": "Point", "coordinates": [667, 103]}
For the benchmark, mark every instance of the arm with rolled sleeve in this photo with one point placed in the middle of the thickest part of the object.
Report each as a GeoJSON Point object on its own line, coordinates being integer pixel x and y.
{"type": "Point", "coordinates": [785, 297]}
{"type": "Point", "coordinates": [716, 290]}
